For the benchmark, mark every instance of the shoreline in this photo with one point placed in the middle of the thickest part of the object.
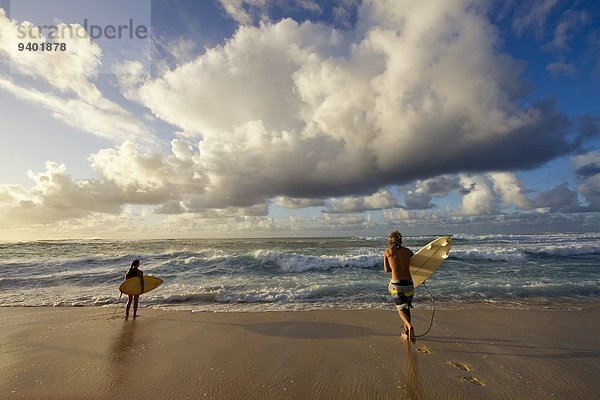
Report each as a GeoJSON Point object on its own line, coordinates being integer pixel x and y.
{"type": "Point", "coordinates": [259, 308]}
{"type": "Point", "coordinates": [487, 352]}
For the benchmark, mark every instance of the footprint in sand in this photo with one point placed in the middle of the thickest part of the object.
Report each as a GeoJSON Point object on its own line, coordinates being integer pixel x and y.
{"type": "Point", "coordinates": [424, 349]}
{"type": "Point", "coordinates": [473, 380]}
{"type": "Point", "coordinates": [462, 366]}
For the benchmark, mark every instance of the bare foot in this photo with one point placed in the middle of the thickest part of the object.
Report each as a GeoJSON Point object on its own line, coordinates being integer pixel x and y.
{"type": "Point", "coordinates": [411, 334]}
{"type": "Point", "coordinates": [403, 335]}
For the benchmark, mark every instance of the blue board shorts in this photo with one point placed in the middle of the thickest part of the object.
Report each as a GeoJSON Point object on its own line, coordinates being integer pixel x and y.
{"type": "Point", "coordinates": [402, 292]}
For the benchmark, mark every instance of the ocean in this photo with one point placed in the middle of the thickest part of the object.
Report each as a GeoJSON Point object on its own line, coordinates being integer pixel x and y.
{"type": "Point", "coordinates": [239, 275]}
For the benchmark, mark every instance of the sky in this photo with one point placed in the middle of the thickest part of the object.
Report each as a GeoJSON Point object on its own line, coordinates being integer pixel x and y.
{"type": "Point", "coordinates": [268, 118]}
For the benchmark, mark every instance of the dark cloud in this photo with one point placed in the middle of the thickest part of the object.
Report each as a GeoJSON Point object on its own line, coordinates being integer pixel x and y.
{"type": "Point", "coordinates": [561, 199]}
{"type": "Point", "coordinates": [417, 200]}
{"type": "Point", "coordinates": [421, 195]}
{"type": "Point", "coordinates": [588, 127]}
{"type": "Point", "coordinates": [588, 171]}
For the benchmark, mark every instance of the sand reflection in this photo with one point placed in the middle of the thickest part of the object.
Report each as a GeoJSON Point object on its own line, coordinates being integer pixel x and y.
{"type": "Point", "coordinates": [121, 350]}
{"type": "Point", "coordinates": [409, 370]}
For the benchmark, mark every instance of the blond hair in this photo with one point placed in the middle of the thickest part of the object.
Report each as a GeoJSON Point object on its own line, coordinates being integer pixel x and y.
{"type": "Point", "coordinates": [395, 239]}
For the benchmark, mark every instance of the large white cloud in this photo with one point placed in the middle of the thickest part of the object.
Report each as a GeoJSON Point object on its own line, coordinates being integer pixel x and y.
{"type": "Point", "coordinates": [305, 111]}
{"type": "Point", "coordinates": [126, 175]}
{"type": "Point", "coordinates": [151, 174]}
{"type": "Point", "coordinates": [56, 196]}
{"type": "Point", "coordinates": [481, 198]}
{"type": "Point", "coordinates": [511, 189]}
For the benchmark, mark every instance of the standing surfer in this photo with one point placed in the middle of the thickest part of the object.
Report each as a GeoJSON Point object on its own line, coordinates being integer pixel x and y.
{"type": "Point", "coordinates": [132, 272]}
{"type": "Point", "coordinates": [396, 259]}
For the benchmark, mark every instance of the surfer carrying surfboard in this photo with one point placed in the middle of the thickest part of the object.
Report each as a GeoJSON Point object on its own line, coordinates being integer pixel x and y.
{"type": "Point", "coordinates": [132, 272]}
{"type": "Point", "coordinates": [396, 259]}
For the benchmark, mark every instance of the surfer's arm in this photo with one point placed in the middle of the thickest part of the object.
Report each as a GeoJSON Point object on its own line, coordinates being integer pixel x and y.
{"type": "Point", "coordinates": [386, 263]}
{"type": "Point", "coordinates": [141, 275]}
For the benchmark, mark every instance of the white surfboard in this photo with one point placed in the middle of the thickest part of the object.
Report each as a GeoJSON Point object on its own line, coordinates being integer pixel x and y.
{"type": "Point", "coordinates": [429, 258]}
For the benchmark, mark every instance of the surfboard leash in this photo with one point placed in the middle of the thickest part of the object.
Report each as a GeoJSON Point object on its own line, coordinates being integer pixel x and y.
{"type": "Point", "coordinates": [117, 306]}
{"type": "Point", "coordinates": [432, 313]}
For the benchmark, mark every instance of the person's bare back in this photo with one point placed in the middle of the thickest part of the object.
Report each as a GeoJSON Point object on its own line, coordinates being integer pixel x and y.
{"type": "Point", "coordinates": [398, 262]}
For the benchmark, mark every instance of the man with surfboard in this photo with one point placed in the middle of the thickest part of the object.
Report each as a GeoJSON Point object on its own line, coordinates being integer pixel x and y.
{"type": "Point", "coordinates": [396, 259]}
{"type": "Point", "coordinates": [132, 272]}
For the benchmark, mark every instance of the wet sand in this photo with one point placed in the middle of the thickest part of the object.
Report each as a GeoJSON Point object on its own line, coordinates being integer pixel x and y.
{"type": "Point", "coordinates": [482, 353]}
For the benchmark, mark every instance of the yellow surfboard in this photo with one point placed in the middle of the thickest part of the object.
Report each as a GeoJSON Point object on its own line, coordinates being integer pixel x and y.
{"type": "Point", "coordinates": [429, 258]}
{"type": "Point", "coordinates": [134, 285]}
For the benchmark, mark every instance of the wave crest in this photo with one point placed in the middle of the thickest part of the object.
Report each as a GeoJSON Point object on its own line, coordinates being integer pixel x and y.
{"type": "Point", "coordinates": [291, 262]}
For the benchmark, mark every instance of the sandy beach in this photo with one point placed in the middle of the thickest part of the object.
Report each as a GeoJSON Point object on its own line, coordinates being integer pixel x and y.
{"type": "Point", "coordinates": [482, 353]}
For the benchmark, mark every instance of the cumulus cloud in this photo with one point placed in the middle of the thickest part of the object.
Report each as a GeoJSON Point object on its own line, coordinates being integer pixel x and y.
{"type": "Point", "coordinates": [302, 110]}
{"type": "Point", "coordinates": [419, 198]}
{"type": "Point", "coordinates": [296, 203]}
{"type": "Point", "coordinates": [482, 193]}
{"type": "Point", "coordinates": [151, 178]}
{"type": "Point", "coordinates": [481, 198]}
{"type": "Point", "coordinates": [188, 207]}
{"type": "Point", "coordinates": [125, 176]}
{"type": "Point", "coordinates": [55, 197]}
{"type": "Point", "coordinates": [224, 225]}
{"type": "Point", "coordinates": [358, 221]}
{"type": "Point", "coordinates": [383, 199]}
{"type": "Point", "coordinates": [497, 193]}
{"type": "Point", "coordinates": [511, 189]}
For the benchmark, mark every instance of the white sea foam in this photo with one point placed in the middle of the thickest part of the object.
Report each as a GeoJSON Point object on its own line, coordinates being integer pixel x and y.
{"type": "Point", "coordinates": [489, 253]}
{"type": "Point", "coordinates": [291, 262]}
